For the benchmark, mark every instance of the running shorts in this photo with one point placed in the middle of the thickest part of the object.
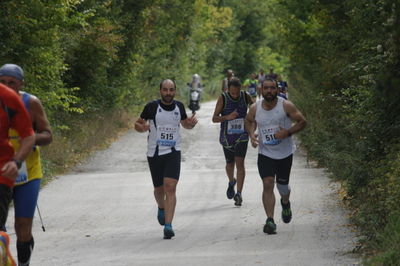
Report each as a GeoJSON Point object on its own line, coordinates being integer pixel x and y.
{"type": "Point", "coordinates": [25, 198]}
{"type": "Point", "coordinates": [238, 150]}
{"type": "Point", "coordinates": [268, 167]}
{"type": "Point", "coordinates": [167, 165]}
{"type": "Point", "coordinates": [5, 199]}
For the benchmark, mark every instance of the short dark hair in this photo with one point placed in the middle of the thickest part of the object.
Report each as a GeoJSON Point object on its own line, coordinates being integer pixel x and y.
{"type": "Point", "coordinates": [234, 82]}
{"type": "Point", "coordinates": [173, 81]}
{"type": "Point", "coordinates": [271, 80]}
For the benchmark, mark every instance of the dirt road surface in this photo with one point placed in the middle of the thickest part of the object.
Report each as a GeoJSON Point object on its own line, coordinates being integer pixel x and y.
{"type": "Point", "coordinates": [104, 213]}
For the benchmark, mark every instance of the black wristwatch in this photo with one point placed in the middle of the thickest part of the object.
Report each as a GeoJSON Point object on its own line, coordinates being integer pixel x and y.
{"type": "Point", "coordinates": [18, 163]}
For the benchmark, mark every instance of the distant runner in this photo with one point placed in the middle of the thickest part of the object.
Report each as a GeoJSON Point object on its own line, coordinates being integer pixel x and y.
{"type": "Point", "coordinates": [250, 85]}
{"type": "Point", "coordinates": [225, 81]}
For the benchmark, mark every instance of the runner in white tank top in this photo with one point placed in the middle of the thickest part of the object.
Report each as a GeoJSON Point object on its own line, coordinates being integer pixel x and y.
{"type": "Point", "coordinates": [270, 122]}
{"type": "Point", "coordinates": [273, 116]}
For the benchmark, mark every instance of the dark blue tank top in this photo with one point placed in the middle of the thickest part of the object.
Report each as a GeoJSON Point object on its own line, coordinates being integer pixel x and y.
{"type": "Point", "coordinates": [230, 105]}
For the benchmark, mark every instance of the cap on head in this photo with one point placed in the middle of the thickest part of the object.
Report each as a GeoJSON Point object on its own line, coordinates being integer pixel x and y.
{"type": "Point", "coordinates": [12, 70]}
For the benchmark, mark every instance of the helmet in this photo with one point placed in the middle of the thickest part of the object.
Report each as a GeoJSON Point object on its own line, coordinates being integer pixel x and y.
{"type": "Point", "coordinates": [196, 77]}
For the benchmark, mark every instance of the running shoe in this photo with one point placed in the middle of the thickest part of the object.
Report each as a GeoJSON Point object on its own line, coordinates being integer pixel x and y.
{"type": "Point", "coordinates": [168, 232]}
{"type": "Point", "coordinates": [161, 216]}
{"type": "Point", "coordinates": [270, 227]}
{"type": "Point", "coordinates": [286, 213]}
{"type": "Point", "coordinates": [238, 199]}
{"type": "Point", "coordinates": [5, 256]}
{"type": "Point", "coordinates": [231, 189]}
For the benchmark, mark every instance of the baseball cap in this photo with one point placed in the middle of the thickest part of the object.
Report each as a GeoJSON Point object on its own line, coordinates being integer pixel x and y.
{"type": "Point", "coordinates": [12, 70]}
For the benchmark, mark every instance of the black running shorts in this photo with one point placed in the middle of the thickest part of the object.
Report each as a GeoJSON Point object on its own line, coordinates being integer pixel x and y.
{"type": "Point", "coordinates": [5, 200]}
{"type": "Point", "coordinates": [268, 167]}
{"type": "Point", "coordinates": [167, 165]}
{"type": "Point", "coordinates": [238, 150]}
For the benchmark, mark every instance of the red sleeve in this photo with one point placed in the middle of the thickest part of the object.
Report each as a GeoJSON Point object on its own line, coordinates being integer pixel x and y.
{"type": "Point", "coordinates": [20, 119]}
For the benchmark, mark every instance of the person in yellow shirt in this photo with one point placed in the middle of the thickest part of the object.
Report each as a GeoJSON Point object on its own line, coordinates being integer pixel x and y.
{"type": "Point", "coordinates": [250, 85]}
{"type": "Point", "coordinates": [27, 184]}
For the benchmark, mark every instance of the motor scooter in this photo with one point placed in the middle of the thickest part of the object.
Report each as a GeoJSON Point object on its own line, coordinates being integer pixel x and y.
{"type": "Point", "coordinates": [194, 97]}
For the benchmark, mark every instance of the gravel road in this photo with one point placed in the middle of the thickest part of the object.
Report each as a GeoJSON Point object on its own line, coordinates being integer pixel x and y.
{"type": "Point", "coordinates": [103, 212]}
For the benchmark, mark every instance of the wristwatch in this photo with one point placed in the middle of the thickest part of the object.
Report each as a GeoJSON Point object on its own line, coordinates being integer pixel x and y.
{"type": "Point", "coordinates": [18, 163]}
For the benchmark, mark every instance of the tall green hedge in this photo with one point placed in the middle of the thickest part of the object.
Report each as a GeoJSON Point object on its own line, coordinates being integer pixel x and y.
{"type": "Point", "coordinates": [344, 69]}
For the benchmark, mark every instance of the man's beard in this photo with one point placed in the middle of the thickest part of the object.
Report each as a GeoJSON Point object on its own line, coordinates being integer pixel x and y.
{"type": "Point", "coordinates": [271, 97]}
{"type": "Point", "coordinates": [167, 99]}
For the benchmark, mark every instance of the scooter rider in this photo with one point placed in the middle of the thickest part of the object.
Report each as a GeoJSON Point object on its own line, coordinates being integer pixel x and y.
{"type": "Point", "coordinates": [195, 90]}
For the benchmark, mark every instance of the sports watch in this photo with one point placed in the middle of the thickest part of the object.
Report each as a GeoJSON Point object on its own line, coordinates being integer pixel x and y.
{"type": "Point", "coordinates": [18, 163]}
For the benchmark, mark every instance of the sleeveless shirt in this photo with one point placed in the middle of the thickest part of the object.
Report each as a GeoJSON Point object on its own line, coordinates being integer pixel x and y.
{"type": "Point", "coordinates": [32, 167]}
{"type": "Point", "coordinates": [270, 122]}
{"type": "Point", "coordinates": [233, 131]}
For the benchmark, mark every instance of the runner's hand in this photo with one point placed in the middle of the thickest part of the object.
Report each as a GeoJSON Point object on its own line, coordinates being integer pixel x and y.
{"type": "Point", "coordinates": [233, 115]}
{"type": "Point", "coordinates": [192, 120]}
{"type": "Point", "coordinates": [254, 140]}
{"type": "Point", "coordinates": [9, 170]}
{"type": "Point", "coordinates": [282, 133]}
{"type": "Point", "coordinates": [143, 124]}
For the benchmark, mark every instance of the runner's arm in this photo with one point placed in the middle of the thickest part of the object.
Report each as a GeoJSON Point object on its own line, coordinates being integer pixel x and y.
{"type": "Point", "coordinates": [295, 115]}
{"type": "Point", "coordinates": [251, 125]}
{"type": "Point", "coordinates": [217, 118]}
{"type": "Point", "coordinates": [22, 123]}
{"type": "Point", "coordinates": [249, 99]}
{"type": "Point", "coordinates": [41, 125]}
{"type": "Point", "coordinates": [10, 169]}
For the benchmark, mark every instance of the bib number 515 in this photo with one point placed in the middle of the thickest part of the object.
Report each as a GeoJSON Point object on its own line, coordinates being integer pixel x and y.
{"type": "Point", "coordinates": [167, 136]}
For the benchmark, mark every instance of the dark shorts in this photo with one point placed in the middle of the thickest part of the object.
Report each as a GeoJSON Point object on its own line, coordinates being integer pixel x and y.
{"type": "Point", "coordinates": [168, 165]}
{"type": "Point", "coordinates": [276, 168]}
{"type": "Point", "coordinates": [238, 150]}
{"type": "Point", "coordinates": [25, 198]}
{"type": "Point", "coordinates": [5, 199]}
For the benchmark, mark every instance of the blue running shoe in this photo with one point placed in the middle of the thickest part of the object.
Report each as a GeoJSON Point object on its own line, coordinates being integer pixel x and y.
{"type": "Point", "coordinates": [161, 216]}
{"type": "Point", "coordinates": [168, 232]}
{"type": "Point", "coordinates": [230, 192]}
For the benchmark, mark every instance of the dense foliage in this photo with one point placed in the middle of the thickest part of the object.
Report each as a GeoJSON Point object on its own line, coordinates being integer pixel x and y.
{"type": "Point", "coordinates": [85, 56]}
{"type": "Point", "coordinates": [344, 68]}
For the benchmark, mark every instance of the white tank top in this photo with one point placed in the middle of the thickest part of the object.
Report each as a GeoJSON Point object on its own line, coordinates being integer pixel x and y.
{"type": "Point", "coordinates": [269, 122]}
{"type": "Point", "coordinates": [164, 132]}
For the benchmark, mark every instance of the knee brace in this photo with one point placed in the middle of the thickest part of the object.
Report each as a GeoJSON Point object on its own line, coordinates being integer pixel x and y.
{"type": "Point", "coordinates": [283, 189]}
{"type": "Point", "coordinates": [24, 250]}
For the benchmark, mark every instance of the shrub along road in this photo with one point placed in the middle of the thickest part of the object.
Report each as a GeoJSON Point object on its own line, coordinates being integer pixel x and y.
{"type": "Point", "coordinates": [104, 213]}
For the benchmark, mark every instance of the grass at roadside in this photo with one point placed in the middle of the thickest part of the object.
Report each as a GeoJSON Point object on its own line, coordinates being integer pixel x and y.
{"type": "Point", "coordinates": [85, 135]}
